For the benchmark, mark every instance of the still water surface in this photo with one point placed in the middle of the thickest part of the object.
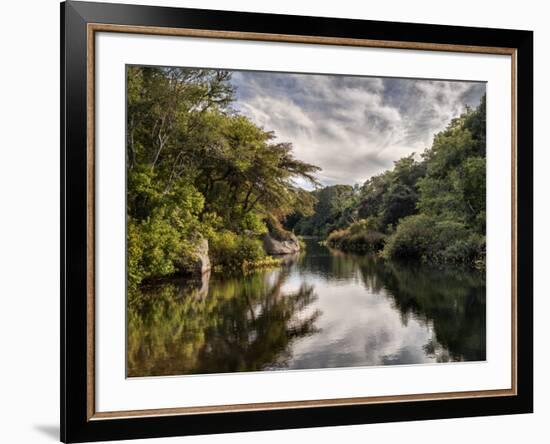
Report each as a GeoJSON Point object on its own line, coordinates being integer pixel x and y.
{"type": "Point", "coordinates": [322, 309]}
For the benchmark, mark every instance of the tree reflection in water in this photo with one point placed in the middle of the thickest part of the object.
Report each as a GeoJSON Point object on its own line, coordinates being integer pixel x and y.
{"type": "Point", "coordinates": [323, 308]}
{"type": "Point", "coordinates": [219, 326]}
{"type": "Point", "coordinates": [451, 300]}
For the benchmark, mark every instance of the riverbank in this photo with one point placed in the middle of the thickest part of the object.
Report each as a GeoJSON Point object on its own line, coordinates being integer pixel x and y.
{"type": "Point", "coordinates": [417, 238]}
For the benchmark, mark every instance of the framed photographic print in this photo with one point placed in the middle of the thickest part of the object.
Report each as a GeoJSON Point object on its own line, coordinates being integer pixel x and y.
{"type": "Point", "coordinates": [276, 221]}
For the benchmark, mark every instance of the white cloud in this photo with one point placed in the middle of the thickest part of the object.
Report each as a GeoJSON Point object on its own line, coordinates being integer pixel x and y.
{"type": "Point", "coordinates": [352, 127]}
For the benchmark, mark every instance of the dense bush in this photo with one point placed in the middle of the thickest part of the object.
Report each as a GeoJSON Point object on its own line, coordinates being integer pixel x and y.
{"type": "Point", "coordinates": [425, 238]}
{"type": "Point", "coordinates": [161, 244]}
{"type": "Point", "coordinates": [359, 237]}
{"type": "Point", "coordinates": [230, 251]}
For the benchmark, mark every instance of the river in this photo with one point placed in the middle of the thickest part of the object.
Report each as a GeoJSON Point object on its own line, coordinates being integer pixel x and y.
{"type": "Point", "coordinates": [321, 309]}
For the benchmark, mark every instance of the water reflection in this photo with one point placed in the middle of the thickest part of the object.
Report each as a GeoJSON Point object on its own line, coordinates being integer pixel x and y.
{"type": "Point", "coordinates": [321, 309]}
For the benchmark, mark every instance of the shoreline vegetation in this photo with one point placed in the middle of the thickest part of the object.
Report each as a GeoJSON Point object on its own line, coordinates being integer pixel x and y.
{"type": "Point", "coordinates": [205, 184]}
{"type": "Point", "coordinates": [430, 210]}
{"type": "Point", "coordinates": [208, 189]}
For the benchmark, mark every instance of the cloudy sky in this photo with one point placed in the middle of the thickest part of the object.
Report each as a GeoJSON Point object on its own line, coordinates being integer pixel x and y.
{"type": "Point", "coordinates": [351, 127]}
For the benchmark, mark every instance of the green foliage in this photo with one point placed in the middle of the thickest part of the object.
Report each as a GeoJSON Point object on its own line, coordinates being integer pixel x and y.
{"type": "Point", "coordinates": [387, 198]}
{"type": "Point", "coordinates": [253, 223]}
{"type": "Point", "coordinates": [451, 223]}
{"type": "Point", "coordinates": [393, 194]}
{"type": "Point", "coordinates": [265, 262]}
{"type": "Point", "coordinates": [230, 251]}
{"type": "Point", "coordinates": [432, 209]}
{"type": "Point", "coordinates": [411, 239]}
{"type": "Point", "coordinates": [428, 239]}
{"type": "Point", "coordinates": [454, 185]}
{"type": "Point", "coordinates": [163, 241]}
{"type": "Point", "coordinates": [333, 209]}
{"type": "Point", "coordinates": [160, 245]}
{"type": "Point", "coordinates": [198, 169]}
{"type": "Point", "coordinates": [360, 237]}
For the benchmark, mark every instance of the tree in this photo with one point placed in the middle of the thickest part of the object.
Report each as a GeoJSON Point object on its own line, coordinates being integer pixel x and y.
{"type": "Point", "coordinates": [333, 209]}
{"type": "Point", "coordinates": [454, 185]}
{"type": "Point", "coordinates": [197, 169]}
{"type": "Point", "coordinates": [431, 209]}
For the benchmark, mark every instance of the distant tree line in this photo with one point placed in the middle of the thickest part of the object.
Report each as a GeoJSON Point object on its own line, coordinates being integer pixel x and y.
{"type": "Point", "coordinates": [431, 209]}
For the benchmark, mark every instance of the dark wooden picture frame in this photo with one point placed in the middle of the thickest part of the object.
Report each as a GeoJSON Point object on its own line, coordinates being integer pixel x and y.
{"type": "Point", "coordinates": [79, 420]}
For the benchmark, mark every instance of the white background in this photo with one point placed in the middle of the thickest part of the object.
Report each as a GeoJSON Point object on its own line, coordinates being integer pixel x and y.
{"type": "Point", "coordinates": [115, 392]}
{"type": "Point", "coordinates": [29, 239]}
